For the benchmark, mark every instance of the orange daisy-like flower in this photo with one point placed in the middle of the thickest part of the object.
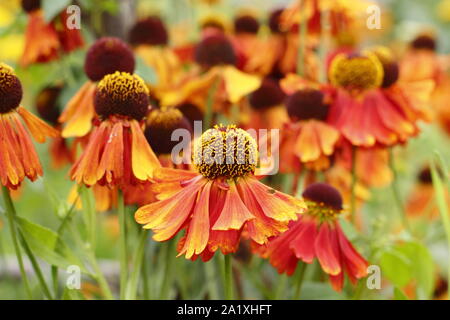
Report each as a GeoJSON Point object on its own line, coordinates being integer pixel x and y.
{"type": "Point", "coordinates": [411, 96]}
{"type": "Point", "coordinates": [18, 158]}
{"type": "Point", "coordinates": [105, 56]}
{"type": "Point", "coordinates": [117, 153]}
{"type": "Point", "coordinates": [421, 202]}
{"type": "Point", "coordinates": [219, 202]}
{"type": "Point", "coordinates": [150, 38]}
{"type": "Point", "coordinates": [317, 234]}
{"type": "Point", "coordinates": [216, 75]}
{"type": "Point", "coordinates": [360, 110]}
{"type": "Point", "coordinates": [313, 140]}
{"type": "Point", "coordinates": [267, 109]}
{"type": "Point", "coordinates": [44, 41]}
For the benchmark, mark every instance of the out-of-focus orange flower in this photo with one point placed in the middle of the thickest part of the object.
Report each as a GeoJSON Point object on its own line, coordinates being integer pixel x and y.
{"type": "Point", "coordinates": [317, 234]}
{"type": "Point", "coordinates": [412, 96]}
{"type": "Point", "coordinates": [315, 140]}
{"type": "Point", "coordinates": [150, 38]}
{"type": "Point", "coordinates": [359, 109]}
{"type": "Point", "coordinates": [344, 16]}
{"type": "Point", "coordinates": [266, 106]}
{"type": "Point", "coordinates": [216, 76]}
{"type": "Point", "coordinates": [421, 201]}
{"type": "Point", "coordinates": [372, 164]}
{"type": "Point", "coordinates": [105, 56]}
{"type": "Point", "coordinates": [220, 201]}
{"type": "Point", "coordinates": [44, 41]}
{"type": "Point", "coordinates": [117, 153]}
{"type": "Point", "coordinates": [18, 158]}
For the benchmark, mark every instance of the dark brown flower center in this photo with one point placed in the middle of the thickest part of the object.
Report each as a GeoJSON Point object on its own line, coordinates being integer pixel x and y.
{"type": "Point", "coordinates": [47, 104]}
{"type": "Point", "coordinates": [246, 24]}
{"type": "Point", "coordinates": [150, 31]}
{"type": "Point", "coordinates": [323, 199]}
{"type": "Point", "coordinates": [215, 50]}
{"type": "Point", "coordinates": [269, 94]}
{"type": "Point", "coordinates": [10, 89]}
{"type": "Point", "coordinates": [425, 42]}
{"type": "Point", "coordinates": [160, 125]}
{"type": "Point", "coordinates": [122, 94]}
{"type": "Point", "coordinates": [307, 104]}
{"type": "Point", "coordinates": [31, 5]}
{"type": "Point", "coordinates": [106, 56]}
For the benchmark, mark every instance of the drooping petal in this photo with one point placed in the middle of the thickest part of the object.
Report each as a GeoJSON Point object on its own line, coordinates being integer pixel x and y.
{"type": "Point", "coordinates": [337, 281]}
{"type": "Point", "coordinates": [303, 244]}
{"type": "Point", "coordinates": [275, 204]}
{"type": "Point", "coordinates": [354, 263]}
{"type": "Point", "coordinates": [234, 213]}
{"type": "Point", "coordinates": [327, 251]}
{"type": "Point", "coordinates": [79, 112]}
{"type": "Point", "coordinates": [238, 84]}
{"type": "Point", "coordinates": [84, 169]}
{"type": "Point", "coordinates": [111, 165]}
{"type": "Point", "coordinates": [144, 160]}
{"type": "Point", "coordinates": [38, 128]}
{"type": "Point", "coordinates": [262, 227]}
{"type": "Point", "coordinates": [307, 146]}
{"type": "Point", "coordinates": [198, 230]}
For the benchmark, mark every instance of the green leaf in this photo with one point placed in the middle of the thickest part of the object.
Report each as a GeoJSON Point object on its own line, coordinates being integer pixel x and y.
{"type": "Point", "coordinates": [422, 268]}
{"type": "Point", "coordinates": [39, 233]}
{"type": "Point", "coordinates": [42, 242]}
{"type": "Point", "coordinates": [52, 8]}
{"type": "Point", "coordinates": [72, 294]}
{"type": "Point", "coordinates": [145, 72]}
{"type": "Point", "coordinates": [406, 262]}
{"type": "Point", "coordinates": [396, 267]}
{"type": "Point", "coordinates": [399, 295]}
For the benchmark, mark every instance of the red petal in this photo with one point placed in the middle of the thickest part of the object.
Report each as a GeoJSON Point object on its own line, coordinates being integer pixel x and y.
{"type": "Point", "coordinates": [327, 250]}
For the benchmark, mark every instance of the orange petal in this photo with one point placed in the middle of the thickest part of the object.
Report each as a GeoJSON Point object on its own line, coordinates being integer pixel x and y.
{"type": "Point", "coordinates": [303, 244]}
{"type": "Point", "coordinates": [274, 204]}
{"type": "Point", "coordinates": [326, 247]}
{"type": "Point", "coordinates": [307, 146]}
{"type": "Point", "coordinates": [38, 128]}
{"type": "Point", "coordinates": [144, 160]}
{"type": "Point", "coordinates": [198, 231]}
{"type": "Point", "coordinates": [79, 112]}
{"type": "Point", "coordinates": [111, 164]}
{"type": "Point", "coordinates": [234, 213]}
{"type": "Point", "coordinates": [355, 264]}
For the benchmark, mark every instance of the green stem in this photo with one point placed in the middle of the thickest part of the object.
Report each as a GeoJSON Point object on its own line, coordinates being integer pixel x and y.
{"type": "Point", "coordinates": [88, 202]}
{"type": "Point", "coordinates": [123, 245]}
{"type": "Point", "coordinates": [281, 287]}
{"type": "Point", "coordinates": [213, 289]}
{"type": "Point", "coordinates": [442, 204]}
{"type": "Point", "coordinates": [10, 212]}
{"type": "Point", "coordinates": [144, 272]}
{"type": "Point", "coordinates": [168, 274]}
{"type": "Point", "coordinates": [35, 264]}
{"type": "Point", "coordinates": [300, 277]}
{"type": "Point", "coordinates": [137, 264]}
{"type": "Point", "coordinates": [353, 187]}
{"type": "Point", "coordinates": [98, 276]}
{"type": "Point", "coordinates": [396, 191]}
{"type": "Point", "coordinates": [228, 277]}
